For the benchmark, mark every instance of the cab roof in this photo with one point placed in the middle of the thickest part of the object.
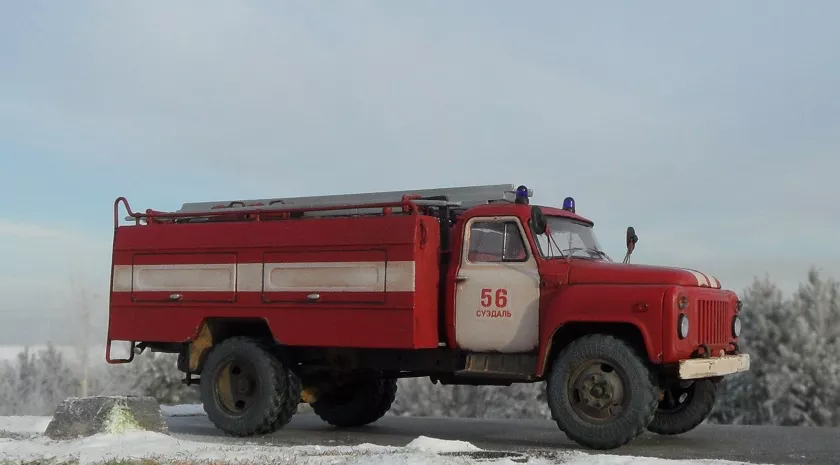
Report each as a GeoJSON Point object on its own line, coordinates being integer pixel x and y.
{"type": "Point", "coordinates": [498, 209]}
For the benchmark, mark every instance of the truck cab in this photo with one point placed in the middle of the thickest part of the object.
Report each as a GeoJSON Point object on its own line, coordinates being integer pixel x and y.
{"type": "Point", "coordinates": [534, 279]}
{"type": "Point", "coordinates": [330, 300]}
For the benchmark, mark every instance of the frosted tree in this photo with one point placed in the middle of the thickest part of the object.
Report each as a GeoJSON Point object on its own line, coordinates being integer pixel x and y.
{"type": "Point", "coordinates": [156, 374]}
{"type": "Point", "coordinates": [9, 396]}
{"type": "Point", "coordinates": [745, 398]}
{"type": "Point", "coordinates": [37, 383]}
{"type": "Point", "coordinates": [794, 345]}
{"type": "Point", "coordinates": [56, 379]}
{"type": "Point", "coordinates": [804, 387]}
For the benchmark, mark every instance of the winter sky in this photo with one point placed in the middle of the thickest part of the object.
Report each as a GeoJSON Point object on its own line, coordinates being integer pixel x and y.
{"type": "Point", "coordinates": [713, 128]}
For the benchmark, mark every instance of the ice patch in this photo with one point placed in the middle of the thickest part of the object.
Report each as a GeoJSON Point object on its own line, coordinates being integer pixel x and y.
{"type": "Point", "coordinates": [22, 427]}
{"type": "Point", "coordinates": [427, 444]}
{"type": "Point", "coordinates": [25, 424]}
{"type": "Point", "coordinates": [183, 410]}
{"type": "Point", "coordinates": [582, 458]}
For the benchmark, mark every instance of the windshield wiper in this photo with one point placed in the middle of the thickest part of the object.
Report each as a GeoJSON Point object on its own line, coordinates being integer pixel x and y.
{"type": "Point", "coordinates": [600, 253]}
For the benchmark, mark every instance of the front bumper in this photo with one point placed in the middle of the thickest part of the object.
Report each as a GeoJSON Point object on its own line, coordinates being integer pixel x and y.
{"type": "Point", "coordinates": [714, 366]}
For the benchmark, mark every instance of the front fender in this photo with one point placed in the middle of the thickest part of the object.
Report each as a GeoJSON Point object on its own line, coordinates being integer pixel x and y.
{"type": "Point", "coordinates": [591, 307]}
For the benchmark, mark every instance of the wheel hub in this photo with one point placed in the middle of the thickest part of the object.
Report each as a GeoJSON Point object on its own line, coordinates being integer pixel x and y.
{"type": "Point", "coordinates": [242, 386]}
{"type": "Point", "coordinates": [597, 392]}
{"type": "Point", "coordinates": [237, 387]}
{"type": "Point", "coordinates": [676, 397]}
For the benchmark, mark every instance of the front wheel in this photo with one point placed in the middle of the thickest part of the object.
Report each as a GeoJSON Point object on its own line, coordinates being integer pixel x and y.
{"type": "Point", "coordinates": [600, 392]}
{"type": "Point", "coordinates": [683, 408]}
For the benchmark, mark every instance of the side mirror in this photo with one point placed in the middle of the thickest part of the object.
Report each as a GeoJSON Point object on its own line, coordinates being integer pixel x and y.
{"type": "Point", "coordinates": [538, 221]}
{"type": "Point", "coordinates": [632, 238]}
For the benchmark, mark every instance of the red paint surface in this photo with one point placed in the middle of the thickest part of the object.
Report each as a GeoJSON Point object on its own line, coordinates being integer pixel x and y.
{"type": "Point", "coordinates": [675, 349]}
{"type": "Point", "coordinates": [618, 273]}
{"type": "Point", "coordinates": [348, 319]}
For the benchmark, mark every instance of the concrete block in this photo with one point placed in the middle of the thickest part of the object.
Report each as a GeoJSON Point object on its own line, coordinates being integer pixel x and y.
{"type": "Point", "coordinates": [85, 416]}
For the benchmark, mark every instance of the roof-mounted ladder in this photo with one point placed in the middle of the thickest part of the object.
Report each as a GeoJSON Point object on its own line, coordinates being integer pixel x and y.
{"type": "Point", "coordinates": [463, 197]}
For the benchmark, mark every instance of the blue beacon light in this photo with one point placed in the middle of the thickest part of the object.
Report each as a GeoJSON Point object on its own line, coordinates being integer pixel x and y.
{"type": "Point", "coordinates": [522, 194]}
{"type": "Point", "coordinates": [569, 204]}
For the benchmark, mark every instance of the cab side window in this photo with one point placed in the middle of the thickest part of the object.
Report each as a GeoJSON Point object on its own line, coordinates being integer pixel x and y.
{"type": "Point", "coordinates": [495, 242]}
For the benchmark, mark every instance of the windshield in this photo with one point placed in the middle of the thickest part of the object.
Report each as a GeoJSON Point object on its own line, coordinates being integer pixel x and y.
{"type": "Point", "coordinates": [569, 238]}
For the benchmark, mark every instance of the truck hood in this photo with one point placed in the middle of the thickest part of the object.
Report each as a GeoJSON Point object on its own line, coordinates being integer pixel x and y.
{"type": "Point", "coordinates": [593, 272]}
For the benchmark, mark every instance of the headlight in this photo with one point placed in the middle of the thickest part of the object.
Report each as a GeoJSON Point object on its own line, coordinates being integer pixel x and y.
{"type": "Point", "coordinates": [736, 326]}
{"type": "Point", "coordinates": [682, 329]}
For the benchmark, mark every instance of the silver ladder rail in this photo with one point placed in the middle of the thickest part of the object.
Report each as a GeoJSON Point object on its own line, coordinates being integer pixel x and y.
{"type": "Point", "coordinates": [463, 197]}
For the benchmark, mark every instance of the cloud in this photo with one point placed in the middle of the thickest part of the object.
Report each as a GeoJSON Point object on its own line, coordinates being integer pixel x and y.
{"type": "Point", "coordinates": [55, 235]}
{"type": "Point", "coordinates": [11, 229]}
{"type": "Point", "coordinates": [39, 260]}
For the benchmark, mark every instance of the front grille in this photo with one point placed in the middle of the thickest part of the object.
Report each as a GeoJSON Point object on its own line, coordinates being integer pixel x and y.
{"type": "Point", "coordinates": [713, 321]}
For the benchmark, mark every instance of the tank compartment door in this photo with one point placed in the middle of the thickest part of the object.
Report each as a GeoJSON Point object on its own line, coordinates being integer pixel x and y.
{"type": "Point", "coordinates": [497, 292]}
{"type": "Point", "coordinates": [340, 276]}
{"type": "Point", "coordinates": [174, 278]}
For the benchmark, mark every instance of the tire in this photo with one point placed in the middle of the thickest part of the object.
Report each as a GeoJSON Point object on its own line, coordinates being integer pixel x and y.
{"type": "Point", "coordinates": [357, 403]}
{"type": "Point", "coordinates": [271, 391]}
{"type": "Point", "coordinates": [583, 363]}
{"type": "Point", "coordinates": [291, 401]}
{"type": "Point", "coordinates": [677, 417]}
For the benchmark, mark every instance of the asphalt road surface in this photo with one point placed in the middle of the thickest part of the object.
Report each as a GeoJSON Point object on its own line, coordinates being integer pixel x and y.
{"type": "Point", "coordinates": [756, 444]}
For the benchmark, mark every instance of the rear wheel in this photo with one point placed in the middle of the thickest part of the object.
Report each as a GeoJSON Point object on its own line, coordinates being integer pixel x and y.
{"type": "Point", "coordinates": [358, 402]}
{"type": "Point", "coordinates": [600, 392]}
{"type": "Point", "coordinates": [684, 407]}
{"type": "Point", "coordinates": [246, 390]}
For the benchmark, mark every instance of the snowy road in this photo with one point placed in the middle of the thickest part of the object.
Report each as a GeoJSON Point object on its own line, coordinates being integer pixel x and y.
{"type": "Point", "coordinates": [406, 441]}
{"type": "Point", "coordinates": [776, 445]}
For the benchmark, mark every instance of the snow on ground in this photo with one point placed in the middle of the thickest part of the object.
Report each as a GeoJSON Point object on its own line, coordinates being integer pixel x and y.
{"type": "Point", "coordinates": [141, 444]}
{"type": "Point", "coordinates": [185, 410]}
{"type": "Point", "coordinates": [23, 425]}
{"type": "Point", "coordinates": [22, 440]}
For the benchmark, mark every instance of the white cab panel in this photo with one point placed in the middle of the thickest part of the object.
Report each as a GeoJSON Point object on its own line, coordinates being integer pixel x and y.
{"type": "Point", "coordinates": [497, 293]}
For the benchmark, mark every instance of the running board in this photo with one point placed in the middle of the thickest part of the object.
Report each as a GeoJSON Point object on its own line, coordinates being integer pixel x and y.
{"type": "Point", "coordinates": [509, 366]}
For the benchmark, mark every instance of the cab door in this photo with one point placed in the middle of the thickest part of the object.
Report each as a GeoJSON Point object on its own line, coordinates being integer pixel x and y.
{"type": "Point", "coordinates": [497, 288]}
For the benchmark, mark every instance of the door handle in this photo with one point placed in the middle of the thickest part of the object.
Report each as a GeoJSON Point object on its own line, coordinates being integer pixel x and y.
{"type": "Point", "coordinates": [313, 296]}
{"type": "Point", "coordinates": [460, 279]}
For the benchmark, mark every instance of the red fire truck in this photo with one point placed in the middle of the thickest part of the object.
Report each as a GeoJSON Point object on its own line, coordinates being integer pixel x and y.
{"type": "Point", "coordinates": [329, 300]}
